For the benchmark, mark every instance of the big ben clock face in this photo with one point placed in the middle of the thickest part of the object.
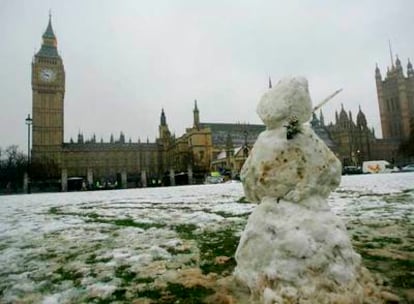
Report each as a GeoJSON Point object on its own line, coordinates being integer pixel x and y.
{"type": "Point", "coordinates": [47, 75]}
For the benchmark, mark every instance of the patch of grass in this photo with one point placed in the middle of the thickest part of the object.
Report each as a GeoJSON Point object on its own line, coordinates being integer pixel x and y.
{"type": "Point", "coordinates": [407, 248]}
{"type": "Point", "coordinates": [398, 271]}
{"type": "Point", "coordinates": [130, 223]}
{"type": "Point", "coordinates": [372, 245]}
{"type": "Point", "coordinates": [224, 214]}
{"type": "Point", "coordinates": [47, 256]}
{"type": "Point", "coordinates": [150, 294]}
{"type": "Point", "coordinates": [53, 210]}
{"type": "Point", "coordinates": [3, 246]}
{"type": "Point", "coordinates": [125, 274]}
{"type": "Point", "coordinates": [67, 275]}
{"type": "Point", "coordinates": [398, 198]}
{"type": "Point", "coordinates": [103, 260]}
{"type": "Point", "coordinates": [144, 280]}
{"type": "Point", "coordinates": [217, 243]}
{"type": "Point", "coordinates": [185, 231]}
{"type": "Point", "coordinates": [91, 259]}
{"type": "Point", "coordinates": [243, 200]}
{"type": "Point", "coordinates": [177, 293]}
{"type": "Point", "coordinates": [188, 295]}
{"type": "Point", "coordinates": [176, 251]}
{"type": "Point", "coordinates": [92, 215]}
{"type": "Point", "coordinates": [127, 222]}
{"type": "Point", "coordinates": [70, 256]}
{"type": "Point", "coordinates": [389, 240]}
{"type": "Point", "coordinates": [117, 296]}
{"type": "Point", "coordinates": [227, 215]}
{"type": "Point", "coordinates": [45, 287]}
{"type": "Point", "coordinates": [211, 245]}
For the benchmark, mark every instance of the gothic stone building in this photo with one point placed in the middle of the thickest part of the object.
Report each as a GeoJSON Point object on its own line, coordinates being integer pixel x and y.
{"type": "Point", "coordinates": [354, 141]}
{"type": "Point", "coordinates": [116, 160]}
{"type": "Point", "coordinates": [168, 160]}
{"type": "Point", "coordinates": [396, 105]}
{"type": "Point", "coordinates": [204, 146]}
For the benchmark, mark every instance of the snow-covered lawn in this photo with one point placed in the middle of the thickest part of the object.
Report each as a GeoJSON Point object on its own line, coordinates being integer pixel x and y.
{"type": "Point", "coordinates": [161, 245]}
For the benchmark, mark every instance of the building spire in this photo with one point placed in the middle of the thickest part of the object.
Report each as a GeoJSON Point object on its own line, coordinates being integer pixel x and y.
{"type": "Point", "coordinates": [49, 34]}
{"type": "Point", "coordinates": [392, 57]}
{"type": "Point", "coordinates": [196, 116]}
{"type": "Point", "coordinates": [163, 119]}
{"type": "Point", "coordinates": [195, 105]}
{"type": "Point", "coordinates": [270, 82]}
{"type": "Point", "coordinates": [49, 44]}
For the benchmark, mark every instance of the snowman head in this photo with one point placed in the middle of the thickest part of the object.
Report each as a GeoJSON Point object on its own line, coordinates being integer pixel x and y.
{"type": "Point", "coordinates": [289, 98]}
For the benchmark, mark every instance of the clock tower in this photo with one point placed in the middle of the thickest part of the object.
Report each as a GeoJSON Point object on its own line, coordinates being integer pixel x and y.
{"type": "Point", "coordinates": [48, 90]}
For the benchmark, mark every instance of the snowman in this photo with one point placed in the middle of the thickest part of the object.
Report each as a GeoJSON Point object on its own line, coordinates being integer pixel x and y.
{"type": "Point", "coordinates": [294, 249]}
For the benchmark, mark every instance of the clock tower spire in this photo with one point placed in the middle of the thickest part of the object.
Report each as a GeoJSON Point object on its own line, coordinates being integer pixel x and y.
{"type": "Point", "coordinates": [48, 90]}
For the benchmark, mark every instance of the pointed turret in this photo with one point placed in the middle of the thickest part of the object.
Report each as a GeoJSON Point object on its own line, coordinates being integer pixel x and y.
{"type": "Point", "coordinates": [391, 56]}
{"type": "Point", "coordinates": [361, 119]}
{"type": "Point", "coordinates": [321, 118]}
{"type": "Point", "coordinates": [49, 45]}
{"type": "Point", "coordinates": [80, 138]}
{"type": "Point", "coordinates": [397, 61]}
{"type": "Point", "coordinates": [163, 119]}
{"type": "Point", "coordinates": [49, 34]}
{"type": "Point", "coordinates": [398, 65]}
{"type": "Point", "coordinates": [342, 114]}
{"type": "Point", "coordinates": [410, 71]}
{"type": "Point", "coordinates": [314, 121]}
{"type": "Point", "coordinates": [164, 132]}
{"type": "Point", "coordinates": [122, 138]}
{"type": "Point", "coordinates": [378, 76]}
{"type": "Point", "coordinates": [196, 116]}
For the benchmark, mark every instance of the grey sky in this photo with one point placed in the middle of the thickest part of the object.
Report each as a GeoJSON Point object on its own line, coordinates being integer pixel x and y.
{"type": "Point", "coordinates": [125, 60]}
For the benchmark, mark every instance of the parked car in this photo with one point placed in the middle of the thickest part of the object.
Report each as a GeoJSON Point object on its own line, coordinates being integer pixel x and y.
{"type": "Point", "coordinates": [348, 170]}
{"type": "Point", "coordinates": [408, 168]}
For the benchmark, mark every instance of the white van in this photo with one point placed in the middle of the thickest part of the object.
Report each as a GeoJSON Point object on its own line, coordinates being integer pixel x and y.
{"type": "Point", "coordinates": [378, 166]}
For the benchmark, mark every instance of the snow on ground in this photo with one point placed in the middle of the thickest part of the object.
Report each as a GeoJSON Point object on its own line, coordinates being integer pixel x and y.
{"type": "Point", "coordinates": [130, 244]}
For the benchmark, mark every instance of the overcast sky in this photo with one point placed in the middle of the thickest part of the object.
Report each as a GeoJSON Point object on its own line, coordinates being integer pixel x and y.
{"type": "Point", "coordinates": [125, 60]}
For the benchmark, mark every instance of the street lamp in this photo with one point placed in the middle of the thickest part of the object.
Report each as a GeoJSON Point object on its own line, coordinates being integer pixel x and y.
{"type": "Point", "coordinates": [245, 148]}
{"type": "Point", "coordinates": [29, 121]}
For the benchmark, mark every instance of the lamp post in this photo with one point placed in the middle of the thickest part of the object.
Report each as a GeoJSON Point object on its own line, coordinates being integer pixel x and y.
{"type": "Point", "coordinates": [245, 148]}
{"type": "Point", "coordinates": [358, 157]}
{"type": "Point", "coordinates": [29, 121]}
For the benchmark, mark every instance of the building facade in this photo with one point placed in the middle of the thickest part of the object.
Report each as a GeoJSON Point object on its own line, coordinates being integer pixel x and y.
{"type": "Point", "coordinates": [167, 161]}
{"type": "Point", "coordinates": [141, 163]}
{"type": "Point", "coordinates": [48, 92]}
{"type": "Point", "coordinates": [205, 146]}
{"type": "Point", "coordinates": [354, 140]}
{"type": "Point", "coordinates": [396, 101]}
{"type": "Point", "coordinates": [396, 105]}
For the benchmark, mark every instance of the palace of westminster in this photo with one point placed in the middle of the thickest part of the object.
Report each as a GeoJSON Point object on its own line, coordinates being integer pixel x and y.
{"type": "Point", "coordinates": [204, 147]}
